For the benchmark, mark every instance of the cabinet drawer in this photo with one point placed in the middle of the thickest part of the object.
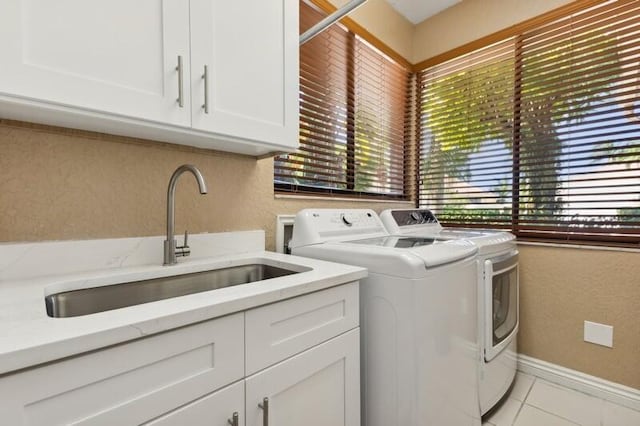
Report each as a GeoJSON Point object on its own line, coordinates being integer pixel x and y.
{"type": "Point", "coordinates": [280, 330]}
{"type": "Point", "coordinates": [129, 383]}
{"type": "Point", "coordinates": [215, 409]}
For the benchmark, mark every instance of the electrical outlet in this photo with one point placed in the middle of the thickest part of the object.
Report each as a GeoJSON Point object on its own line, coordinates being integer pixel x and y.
{"type": "Point", "coordinates": [600, 334]}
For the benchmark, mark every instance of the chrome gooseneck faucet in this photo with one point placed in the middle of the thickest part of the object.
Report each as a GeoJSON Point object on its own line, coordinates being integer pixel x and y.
{"type": "Point", "coordinates": [171, 249]}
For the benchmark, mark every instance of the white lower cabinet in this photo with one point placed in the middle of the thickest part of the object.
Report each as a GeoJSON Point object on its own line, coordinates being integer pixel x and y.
{"type": "Point", "coordinates": [127, 384]}
{"type": "Point", "coordinates": [319, 387]}
{"type": "Point", "coordinates": [301, 353]}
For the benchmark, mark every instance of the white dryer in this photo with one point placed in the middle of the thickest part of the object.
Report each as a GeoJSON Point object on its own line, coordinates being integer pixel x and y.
{"type": "Point", "coordinates": [498, 305]}
{"type": "Point", "coordinates": [418, 315]}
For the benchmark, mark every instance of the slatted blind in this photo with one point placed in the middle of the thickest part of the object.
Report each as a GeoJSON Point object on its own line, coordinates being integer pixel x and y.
{"type": "Point", "coordinates": [540, 133]}
{"type": "Point", "coordinates": [466, 120]}
{"type": "Point", "coordinates": [354, 110]}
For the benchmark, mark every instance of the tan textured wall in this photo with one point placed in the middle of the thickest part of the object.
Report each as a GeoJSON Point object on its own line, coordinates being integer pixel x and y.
{"type": "Point", "coordinates": [563, 287]}
{"type": "Point", "coordinates": [59, 184]}
{"type": "Point", "coordinates": [470, 20]}
{"type": "Point", "coordinates": [382, 20]}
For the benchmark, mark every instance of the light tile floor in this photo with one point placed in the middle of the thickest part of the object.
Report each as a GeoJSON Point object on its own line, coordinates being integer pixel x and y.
{"type": "Point", "coordinates": [536, 402]}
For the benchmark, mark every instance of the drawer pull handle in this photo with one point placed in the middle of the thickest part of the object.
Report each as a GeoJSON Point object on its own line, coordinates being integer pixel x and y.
{"type": "Point", "coordinates": [233, 421]}
{"type": "Point", "coordinates": [265, 411]}
{"type": "Point", "coordinates": [180, 82]}
{"type": "Point", "coordinates": [205, 76]}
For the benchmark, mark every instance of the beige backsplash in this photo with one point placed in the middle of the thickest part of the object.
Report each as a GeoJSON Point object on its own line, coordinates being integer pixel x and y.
{"type": "Point", "coordinates": [58, 184]}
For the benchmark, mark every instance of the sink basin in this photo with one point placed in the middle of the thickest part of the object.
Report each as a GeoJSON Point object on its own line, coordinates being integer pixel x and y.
{"type": "Point", "coordinates": [98, 299]}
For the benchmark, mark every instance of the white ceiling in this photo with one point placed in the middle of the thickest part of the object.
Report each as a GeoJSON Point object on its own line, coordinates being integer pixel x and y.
{"type": "Point", "coordinates": [417, 11]}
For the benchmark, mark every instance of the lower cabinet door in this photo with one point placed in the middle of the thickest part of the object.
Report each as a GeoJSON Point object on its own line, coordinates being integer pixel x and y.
{"type": "Point", "coordinates": [130, 383]}
{"type": "Point", "coordinates": [318, 387]}
{"type": "Point", "coordinates": [222, 408]}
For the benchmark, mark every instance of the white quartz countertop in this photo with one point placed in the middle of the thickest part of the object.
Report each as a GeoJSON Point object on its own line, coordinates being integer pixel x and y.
{"type": "Point", "coordinates": [29, 337]}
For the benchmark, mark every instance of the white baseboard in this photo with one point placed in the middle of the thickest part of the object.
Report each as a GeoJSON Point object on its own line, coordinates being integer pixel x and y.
{"type": "Point", "coordinates": [572, 379]}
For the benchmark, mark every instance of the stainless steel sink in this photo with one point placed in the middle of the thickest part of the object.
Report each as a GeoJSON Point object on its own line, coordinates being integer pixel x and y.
{"type": "Point", "coordinates": [98, 299]}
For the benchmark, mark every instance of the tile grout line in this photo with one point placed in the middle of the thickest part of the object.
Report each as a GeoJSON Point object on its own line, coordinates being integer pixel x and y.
{"type": "Point", "coordinates": [554, 414]}
{"type": "Point", "coordinates": [601, 407]}
{"type": "Point", "coordinates": [533, 382]}
{"type": "Point", "coordinates": [601, 420]}
{"type": "Point", "coordinates": [517, 414]}
{"type": "Point", "coordinates": [602, 401]}
{"type": "Point", "coordinates": [524, 400]}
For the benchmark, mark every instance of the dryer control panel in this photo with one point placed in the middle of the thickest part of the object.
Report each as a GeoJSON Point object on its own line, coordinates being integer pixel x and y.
{"type": "Point", "coordinates": [403, 221]}
{"type": "Point", "coordinates": [413, 217]}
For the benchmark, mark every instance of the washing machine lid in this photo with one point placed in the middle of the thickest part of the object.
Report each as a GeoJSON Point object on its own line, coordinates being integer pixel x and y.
{"type": "Point", "coordinates": [394, 256]}
{"type": "Point", "coordinates": [433, 252]}
{"type": "Point", "coordinates": [358, 237]}
{"type": "Point", "coordinates": [395, 241]}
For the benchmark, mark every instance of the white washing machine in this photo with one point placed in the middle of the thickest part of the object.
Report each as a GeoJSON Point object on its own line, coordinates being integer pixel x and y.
{"type": "Point", "coordinates": [418, 313]}
{"type": "Point", "coordinates": [498, 317]}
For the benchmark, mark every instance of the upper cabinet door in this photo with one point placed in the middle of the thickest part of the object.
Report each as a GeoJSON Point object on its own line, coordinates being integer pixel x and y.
{"type": "Point", "coordinates": [250, 50]}
{"type": "Point", "coordinates": [116, 56]}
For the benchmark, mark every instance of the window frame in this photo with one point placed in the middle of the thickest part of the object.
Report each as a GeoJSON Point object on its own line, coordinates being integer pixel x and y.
{"type": "Point", "coordinates": [357, 35]}
{"type": "Point", "coordinates": [630, 237]}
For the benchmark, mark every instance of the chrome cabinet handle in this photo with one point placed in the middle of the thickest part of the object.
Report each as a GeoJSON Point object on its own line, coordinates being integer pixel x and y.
{"type": "Point", "coordinates": [205, 76]}
{"type": "Point", "coordinates": [265, 411]}
{"type": "Point", "coordinates": [233, 421]}
{"type": "Point", "coordinates": [180, 82]}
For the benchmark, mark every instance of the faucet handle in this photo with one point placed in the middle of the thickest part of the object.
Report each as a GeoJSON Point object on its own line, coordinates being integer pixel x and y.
{"type": "Point", "coordinates": [184, 249]}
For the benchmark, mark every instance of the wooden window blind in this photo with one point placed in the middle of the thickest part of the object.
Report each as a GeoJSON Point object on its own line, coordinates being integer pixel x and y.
{"type": "Point", "coordinates": [540, 133]}
{"type": "Point", "coordinates": [354, 115]}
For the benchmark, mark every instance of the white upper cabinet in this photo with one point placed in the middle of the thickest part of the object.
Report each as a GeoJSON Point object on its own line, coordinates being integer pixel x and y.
{"type": "Point", "coordinates": [250, 51]}
{"type": "Point", "coordinates": [115, 56]}
{"type": "Point", "coordinates": [113, 66]}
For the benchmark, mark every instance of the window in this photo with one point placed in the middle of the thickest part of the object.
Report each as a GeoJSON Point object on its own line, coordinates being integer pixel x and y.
{"type": "Point", "coordinates": [540, 133]}
{"type": "Point", "coordinates": [354, 111]}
